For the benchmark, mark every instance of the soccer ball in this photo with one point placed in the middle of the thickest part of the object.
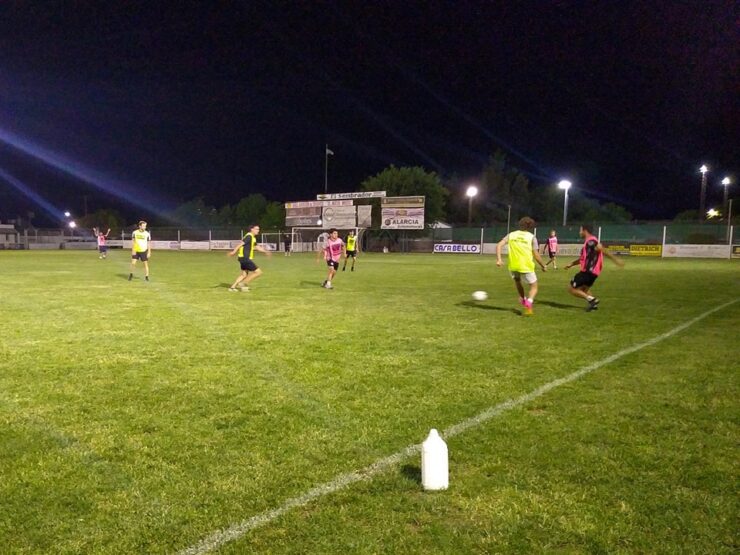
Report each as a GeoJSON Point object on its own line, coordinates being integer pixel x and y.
{"type": "Point", "coordinates": [480, 295]}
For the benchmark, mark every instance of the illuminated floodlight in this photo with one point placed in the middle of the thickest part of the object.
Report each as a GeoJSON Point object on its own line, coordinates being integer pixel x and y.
{"type": "Point", "coordinates": [471, 191]}
{"type": "Point", "coordinates": [67, 214]}
{"type": "Point", "coordinates": [565, 185]}
{"type": "Point", "coordinates": [712, 213]}
{"type": "Point", "coordinates": [726, 181]}
{"type": "Point", "coordinates": [72, 225]}
{"type": "Point", "coordinates": [704, 169]}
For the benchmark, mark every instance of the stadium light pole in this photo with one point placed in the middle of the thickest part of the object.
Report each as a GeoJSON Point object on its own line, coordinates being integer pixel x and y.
{"type": "Point", "coordinates": [726, 182]}
{"type": "Point", "coordinates": [470, 193]}
{"type": "Point", "coordinates": [703, 192]}
{"type": "Point", "coordinates": [327, 152]}
{"type": "Point", "coordinates": [565, 185]}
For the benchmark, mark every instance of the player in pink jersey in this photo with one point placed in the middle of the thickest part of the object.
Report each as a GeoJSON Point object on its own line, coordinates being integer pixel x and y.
{"type": "Point", "coordinates": [551, 245]}
{"type": "Point", "coordinates": [591, 262]}
{"type": "Point", "coordinates": [102, 242]}
{"type": "Point", "coordinates": [333, 251]}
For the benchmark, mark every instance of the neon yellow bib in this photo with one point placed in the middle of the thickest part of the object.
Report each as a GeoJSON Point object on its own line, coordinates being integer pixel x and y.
{"type": "Point", "coordinates": [521, 258]}
{"type": "Point", "coordinates": [351, 242]}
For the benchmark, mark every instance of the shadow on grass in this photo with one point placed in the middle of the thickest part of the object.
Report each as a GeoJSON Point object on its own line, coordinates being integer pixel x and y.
{"type": "Point", "coordinates": [306, 283]}
{"type": "Point", "coordinates": [559, 305]}
{"type": "Point", "coordinates": [481, 306]}
{"type": "Point", "coordinates": [222, 284]}
{"type": "Point", "coordinates": [411, 472]}
{"type": "Point", "coordinates": [123, 276]}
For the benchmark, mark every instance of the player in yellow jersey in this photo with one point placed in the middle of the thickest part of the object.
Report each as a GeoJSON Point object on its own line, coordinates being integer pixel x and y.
{"type": "Point", "coordinates": [245, 251]}
{"type": "Point", "coordinates": [352, 249]}
{"type": "Point", "coordinates": [141, 249]}
{"type": "Point", "coordinates": [523, 251]}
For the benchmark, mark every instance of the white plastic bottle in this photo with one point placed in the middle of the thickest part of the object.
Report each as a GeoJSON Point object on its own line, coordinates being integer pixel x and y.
{"type": "Point", "coordinates": [434, 464]}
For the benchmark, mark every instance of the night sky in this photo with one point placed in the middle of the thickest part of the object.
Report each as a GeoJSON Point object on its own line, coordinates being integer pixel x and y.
{"type": "Point", "coordinates": [164, 102]}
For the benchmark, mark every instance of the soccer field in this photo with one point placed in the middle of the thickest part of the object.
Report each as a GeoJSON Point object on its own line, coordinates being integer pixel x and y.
{"type": "Point", "coordinates": [176, 416]}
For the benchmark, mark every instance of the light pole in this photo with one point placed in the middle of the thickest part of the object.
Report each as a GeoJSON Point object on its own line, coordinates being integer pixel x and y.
{"type": "Point", "coordinates": [327, 152]}
{"type": "Point", "coordinates": [726, 182]}
{"type": "Point", "coordinates": [565, 185]}
{"type": "Point", "coordinates": [470, 193]}
{"type": "Point", "coordinates": [703, 194]}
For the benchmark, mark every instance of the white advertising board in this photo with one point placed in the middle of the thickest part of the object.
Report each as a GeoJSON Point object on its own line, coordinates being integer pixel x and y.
{"type": "Point", "coordinates": [224, 245]}
{"type": "Point", "coordinates": [195, 245]}
{"type": "Point", "coordinates": [164, 245]}
{"type": "Point", "coordinates": [342, 196]}
{"type": "Point", "coordinates": [402, 218]}
{"type": "Point", "coordinates": [457, 248]}
{"type": "Point", "coordinates": [365, 216]}
{"type": "Point", "coordinates": [339, 216]}
{"type": "Point", "coordinates": [697, 251]}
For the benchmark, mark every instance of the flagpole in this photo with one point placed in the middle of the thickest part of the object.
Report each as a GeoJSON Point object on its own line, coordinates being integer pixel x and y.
{"type": "Point", "coordinates": [326, 168]}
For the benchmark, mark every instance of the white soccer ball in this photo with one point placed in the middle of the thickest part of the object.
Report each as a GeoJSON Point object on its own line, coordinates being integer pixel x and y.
{"type": "Point", "coordinates": [480, 295]}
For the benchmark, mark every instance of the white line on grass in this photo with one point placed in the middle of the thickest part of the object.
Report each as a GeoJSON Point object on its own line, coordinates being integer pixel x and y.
{"type": "Point", "coordinates": [236, 531]}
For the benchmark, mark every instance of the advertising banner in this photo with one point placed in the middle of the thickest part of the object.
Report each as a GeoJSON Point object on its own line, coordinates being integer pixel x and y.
{"type": "Point", "coordinates": [195, 245]}
{"type": "Point", "coordinates": [302, 221]}
{"type": "Point", "coordinates": [457, 248]}
{"type": "Point", "coordinates": [402, 202]}
{"type": "Point", "coordinates": [646, 250]}
{"type": "Point", "coordinates": [164, 245]}
{"type": "Point", "coordinates": [696, 251]}
{"type": "Point", "coordinates": [317, 203]}
{"type": "Point", "coordinates": [736, 251]}
{"type": "Point", "coordinates": [339, 216]}
{"type": "Point", "coordinates": [402, 218]}
{"type": "Point", "coordinates": [365, 216]}
{"type": "Point", "coordinates": [224, 245]}
{"type": "Point", "coordinates": [341, 196]}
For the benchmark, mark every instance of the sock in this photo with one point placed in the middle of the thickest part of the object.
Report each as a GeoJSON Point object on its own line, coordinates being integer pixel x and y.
{"type": "Point", "coordinates": [590, 298]}
{"type": "Point", "coordinates": [529, 300]}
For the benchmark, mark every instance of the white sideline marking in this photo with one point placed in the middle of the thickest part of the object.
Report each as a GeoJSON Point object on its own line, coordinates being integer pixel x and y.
{"type": "Point", "coordinates": [236, 531]}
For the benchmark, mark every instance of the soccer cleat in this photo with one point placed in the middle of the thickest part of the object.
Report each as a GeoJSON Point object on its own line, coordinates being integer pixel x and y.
{"type": "Point", "coordinates": [352, 269]}
{"type": "Point", "coordinates": [244, 289]}
{"type": "Point", "coordinates": [528, 311]}
{"type": "Point", "coordinates": [593, 304]}
{"type": "Point", "coordinates": [146, 278]}
{"type": "Point", "coordinates": [234, 289]}
{"type": "Point", "coordinates": [344, 269]}
{"type": "Point", "coordinates": [130, 277]}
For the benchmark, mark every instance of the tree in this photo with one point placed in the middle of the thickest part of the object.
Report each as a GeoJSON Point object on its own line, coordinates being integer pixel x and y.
{"type": "Point", "coordinates": [274, 216]}
{"type": "Point", "coordinates": [411, 181]}
{"type": "Point", "coordinates": [249, 210]}
{"type": "Point", "coordinates": [104, 219]}
{"type": "Point", "coordinates": [194, 213]}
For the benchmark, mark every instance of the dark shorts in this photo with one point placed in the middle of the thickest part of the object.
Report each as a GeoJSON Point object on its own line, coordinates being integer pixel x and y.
{"type": "Point", "coordinates": [353, 254]}
{"type": "Point", "coordinates": [102, 248]}
{"type": "Point", "coordinates": [552, 254]}
{"type": "Point", "coordinates": [247, 264]}
{"type": "Point", "coordinates": [333, 264]}
{"type": "Point", "coordinates": [287, 246]}
{"type": "Point", "coordinates": [583, 279]}
{"type": "Point", "coordinates": [140, 256]}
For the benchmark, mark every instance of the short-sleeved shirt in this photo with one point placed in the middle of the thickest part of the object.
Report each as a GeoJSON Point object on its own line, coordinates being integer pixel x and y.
{"type": "Point", "coordinates": [247, 249]}
{"type": "Point", "coordinates": [141, 240]}
{"type": "Point", "coordinates": [101, 240]}
{"type": "Point", "coordinates": [333, 249]}
{"type": "Point", "coordinates": [552, 244]}
{"type": "Point", "coordinates": [521, 258]}
{"type": "Point", "coordinates": [592, 259]}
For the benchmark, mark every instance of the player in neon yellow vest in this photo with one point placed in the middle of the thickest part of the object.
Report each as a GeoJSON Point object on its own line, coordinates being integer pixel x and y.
{"type": "Point", "coordinates": [352, 250]}
{"type": "Point", "coordinates": [141, 249]}
{"type": "Point", "coordinates": [523, 251]}
{"type": "Point", "coordinates": [245, 251]}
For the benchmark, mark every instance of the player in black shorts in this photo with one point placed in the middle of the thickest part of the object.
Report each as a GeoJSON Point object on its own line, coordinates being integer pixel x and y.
{"type": "Point", "coordinates": [245, 251]}
{"type": "Point", "coordinates": [352, 250]}
{"type": "Point", "coordinates": [591, 262]}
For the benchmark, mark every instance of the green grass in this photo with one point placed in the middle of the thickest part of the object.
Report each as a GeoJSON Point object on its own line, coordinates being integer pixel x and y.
{"type": "Point", "coordinates": [141, 417]}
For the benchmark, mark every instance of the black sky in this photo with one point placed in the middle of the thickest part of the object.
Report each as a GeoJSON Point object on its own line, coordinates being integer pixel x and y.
{"type": "Point", "coordinates": [224, 99]}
